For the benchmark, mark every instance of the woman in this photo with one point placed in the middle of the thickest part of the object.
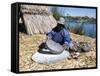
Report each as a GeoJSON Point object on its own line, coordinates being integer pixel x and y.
{"type": "Point", "coordinates": [59, 34]}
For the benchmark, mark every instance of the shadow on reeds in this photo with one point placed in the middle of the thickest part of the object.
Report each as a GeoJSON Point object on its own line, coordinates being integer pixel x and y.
{"type": "Point", "coordinates": [22, 28]}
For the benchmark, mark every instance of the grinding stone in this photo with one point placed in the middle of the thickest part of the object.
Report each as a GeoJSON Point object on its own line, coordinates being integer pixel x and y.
{"type": "Point", "coordinates": [54, 47]}
{"type": "Point", "coordinates": [49, 58]}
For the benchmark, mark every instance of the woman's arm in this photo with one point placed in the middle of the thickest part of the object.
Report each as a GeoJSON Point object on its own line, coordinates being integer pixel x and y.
{"type": "Point", "coordinates": [66, 36]}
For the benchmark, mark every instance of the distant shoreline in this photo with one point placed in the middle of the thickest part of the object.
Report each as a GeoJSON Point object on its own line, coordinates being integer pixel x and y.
{"type": "Point", "coordinates": [79, 18]}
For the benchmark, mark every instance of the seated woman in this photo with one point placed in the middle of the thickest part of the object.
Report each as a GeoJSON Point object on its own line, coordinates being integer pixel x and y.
{"type": "Point", "coordinates": [60, 35]}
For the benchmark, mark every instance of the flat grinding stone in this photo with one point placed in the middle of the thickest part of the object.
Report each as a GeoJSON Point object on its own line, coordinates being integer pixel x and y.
{"type": "Point", "coordinates": [54, 47]}
{"type": "Point", "coordinates": [49, 58]}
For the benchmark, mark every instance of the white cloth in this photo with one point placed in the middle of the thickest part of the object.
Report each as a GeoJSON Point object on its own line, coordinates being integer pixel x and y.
{"type": "Point", "coordinates": [49, 58]}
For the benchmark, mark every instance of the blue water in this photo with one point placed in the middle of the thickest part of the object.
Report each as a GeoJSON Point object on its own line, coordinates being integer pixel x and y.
{"type": "Point", "coordinates": [89, 28]}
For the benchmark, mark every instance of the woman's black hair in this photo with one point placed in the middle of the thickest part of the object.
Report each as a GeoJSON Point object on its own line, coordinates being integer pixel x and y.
{"type": "Point", "coordinates": [58, 28]}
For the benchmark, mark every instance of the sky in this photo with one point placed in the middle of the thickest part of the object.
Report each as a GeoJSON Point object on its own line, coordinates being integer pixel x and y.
{"type": "Point", "coordinates": [74, 11]}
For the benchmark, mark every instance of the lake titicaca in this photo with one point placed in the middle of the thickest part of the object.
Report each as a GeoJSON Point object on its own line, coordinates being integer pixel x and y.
{"type": "Point", "coordinates": [88, 27]}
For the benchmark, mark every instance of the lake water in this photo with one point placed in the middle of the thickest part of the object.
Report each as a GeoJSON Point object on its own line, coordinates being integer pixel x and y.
{"type": "Point", "coordinates": [89, 28]}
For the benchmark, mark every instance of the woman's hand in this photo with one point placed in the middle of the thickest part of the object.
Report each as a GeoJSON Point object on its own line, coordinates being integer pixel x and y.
{"type": "Point", "coordinates": [66, 47]}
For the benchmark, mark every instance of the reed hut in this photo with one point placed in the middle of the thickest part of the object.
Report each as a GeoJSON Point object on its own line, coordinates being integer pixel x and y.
{"type": "Point", "coordinates": [37, 19]}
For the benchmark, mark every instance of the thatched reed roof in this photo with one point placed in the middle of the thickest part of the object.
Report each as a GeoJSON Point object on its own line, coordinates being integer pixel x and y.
{"type": "Point", "coordinates": [37, 19]}
{"type": "Point", "coordinates": [34, 9]}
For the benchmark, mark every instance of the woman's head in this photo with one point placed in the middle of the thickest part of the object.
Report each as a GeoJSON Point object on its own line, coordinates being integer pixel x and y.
{"type": "Point", "coordinates": [59, 27]}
